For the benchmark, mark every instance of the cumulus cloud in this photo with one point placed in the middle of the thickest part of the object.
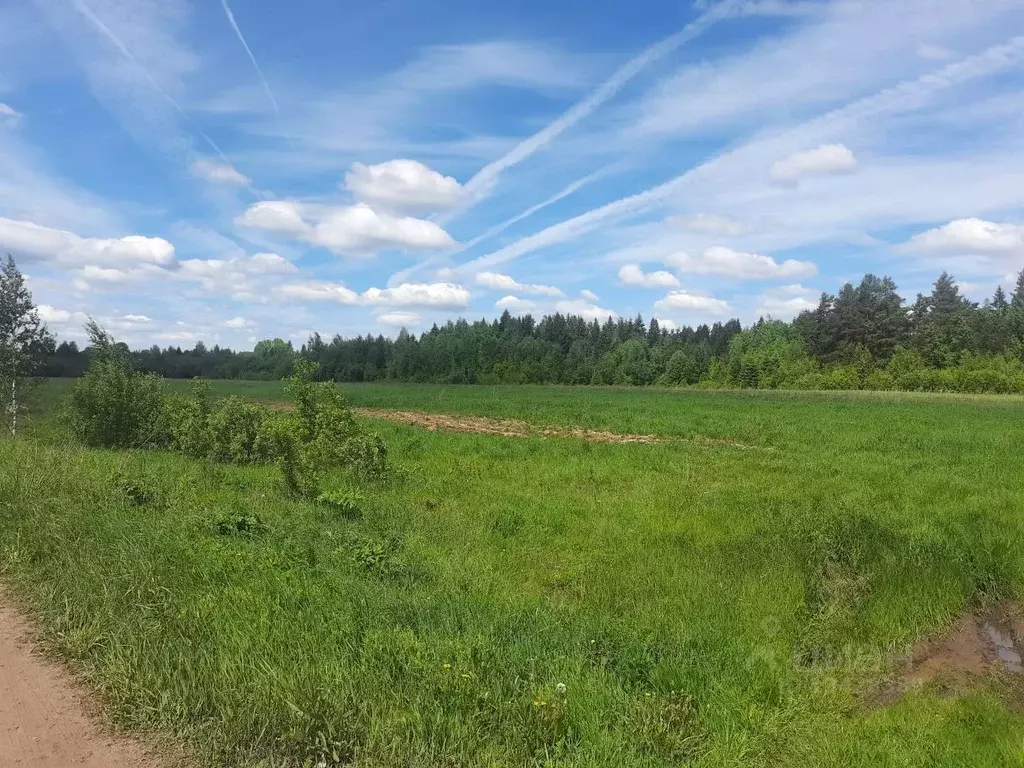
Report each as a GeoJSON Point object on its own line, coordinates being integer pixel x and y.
{"type": "Point", "coordinates": [585, 309]}
{"type": "Point", "coordinates": [515, 305]}
{"type": "Point", "coordinates": [667, 324]}
{"type": "Point", "coordinates": [708, 224]}
{"type": "Point", "coordinates": [403, 186]}
{"type": "Point", "coordinates": [240, 277]}
{"type": "Point", "coordinates": [67, 248]}
{"type": "Point", "coordinates": [632, 274]}
{"type": "Point", "coordinates": [970, 236]}
{"type": "Point", "coordinates": [417, 295]}
{"type": "Point", "coordinates": [499, 282]}
{"type": "Point", "coordinates": [353, 230]}
{"type": "Point", "coordinates": [283, 217]}
{"type": "Point", "coordinates": [824, 160]}
{"type": "Point", "coordinates": [786, 301]}
{"type": "Point", "coordinates": [136, 320]}
{"type": "Point", "coordinates": [692, 302]}
{"type": "Point", "coordinates": [218, 173]}
{"type": "Point", "coordinates": [239, 323]}
{"type": "Point", "coordinates": [719, 260]}
{"type": "Point", "coordinates": [397, 319]}
{"type": "Point", "coordinates": [53, 316]}
{"type": "Point", "coordinates": [590, 296]}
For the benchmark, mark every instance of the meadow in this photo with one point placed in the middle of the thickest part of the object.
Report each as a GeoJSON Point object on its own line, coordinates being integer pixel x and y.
{"type": "Point", "coordinates": [743, 592]}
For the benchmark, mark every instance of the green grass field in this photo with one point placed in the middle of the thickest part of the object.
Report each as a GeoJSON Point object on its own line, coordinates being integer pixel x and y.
{"type": "Point", "coordinates": [703, 604]}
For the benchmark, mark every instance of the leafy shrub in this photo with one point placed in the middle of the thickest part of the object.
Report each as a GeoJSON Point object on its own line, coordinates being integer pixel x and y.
{"type": "Point", "coordinates": [187, 420]}
{"type": "Point", "coordinates": [236, 432]}
{"type": "Point", "coordinates": [347, 503]}
{"type": "Point", "coordinates": [113, 406]}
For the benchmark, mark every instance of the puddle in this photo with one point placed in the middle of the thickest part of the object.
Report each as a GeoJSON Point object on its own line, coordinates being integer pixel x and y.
{"type": "Point", "coordinates": [975, 648]}
{"type": "Point", "coordinates": [1005, 649]}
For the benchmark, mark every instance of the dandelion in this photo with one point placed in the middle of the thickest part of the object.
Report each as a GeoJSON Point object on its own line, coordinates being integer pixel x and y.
{"type": "Point", "coordinates": [560, 689]}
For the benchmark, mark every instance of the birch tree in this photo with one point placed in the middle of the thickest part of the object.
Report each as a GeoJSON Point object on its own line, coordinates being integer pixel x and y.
{"type": "Point", "coordinates": [24, 340]}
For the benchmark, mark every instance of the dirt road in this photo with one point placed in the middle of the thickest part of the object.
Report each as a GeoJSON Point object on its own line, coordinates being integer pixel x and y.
{"type": "Point", "coordinates": [44, 720]}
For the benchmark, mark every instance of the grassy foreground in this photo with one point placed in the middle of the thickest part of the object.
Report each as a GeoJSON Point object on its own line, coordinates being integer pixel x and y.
{"type": "Point", "coordinates": [702, 604]}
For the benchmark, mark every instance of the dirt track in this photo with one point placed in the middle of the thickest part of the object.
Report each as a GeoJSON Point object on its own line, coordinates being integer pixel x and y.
{"type": "Point", "coordinates": [44, 722]}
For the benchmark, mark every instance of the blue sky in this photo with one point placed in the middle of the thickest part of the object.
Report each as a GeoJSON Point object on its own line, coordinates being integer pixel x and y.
{"type": "Point", "coordinates": [195, 169]}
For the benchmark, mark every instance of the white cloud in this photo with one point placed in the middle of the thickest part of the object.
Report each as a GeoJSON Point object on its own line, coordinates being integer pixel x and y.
{"type": "Point", "coordinates": [499, 282]}
{"type": "Point", "coordinates": [970, 236]}
{"type": "Point", "coordinates": [684, 300]}
{"type": "Point", "coordinates": [585, 309]}
{"type": "Point", "coordinates": [403, 186]}
{"type": "Point", "coordinates": [787, 301]}
{"type": "Point", "coordinates": [667, 324]}
{"type": "Point", "coordinates": [418, 295]}
{"type": "Point", "coordinates": [243, 278]}
{"type": "Point", "coordinates": [730, 170]}
{"type": "Point", "coordinates": [631, 274]}
{"type": "Point", "coordinates": [136, 320]}
{"type": "Point", "coordinates": [280, 216]}
{"type": "Point", "coordinates": [708, 224]}
{"type": "Point", "coordinates": [515, 305]}
{"type": "Point", "coordinates": [66, 248]}
{"type": "Point", "coordinates": [9, 114]}
{"type": "Point", "coordinates": [426, 295]}
{"type": "Point", "coordinates": [313, 290]}
{"type": "Point", "coordinates": [399, 318]}
{"type": "Point", "coordinates": [218, 173]}
{"type": "Point", "coordinates": [53, 316]}
{"type": "Point", "coordinates": [590, 296]}
{"type": "Point", "coordinates": [355, 230]}
{"type": "Point", "coordinates": [719, 260]}
{"type": "Point", "coordinates": [239, 322]}
{"type": "Point", "coordinates": [824, 160]}
{"type": "Point", "coordinates": [105, 274]}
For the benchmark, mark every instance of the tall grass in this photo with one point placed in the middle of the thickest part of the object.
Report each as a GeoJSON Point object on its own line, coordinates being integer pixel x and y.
{"type": "Point", "coordinates": [701, 604]}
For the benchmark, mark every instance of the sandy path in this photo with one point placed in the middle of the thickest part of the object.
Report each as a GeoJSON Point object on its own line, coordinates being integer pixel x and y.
{"type": "Point", "coordinates": [43, 715]}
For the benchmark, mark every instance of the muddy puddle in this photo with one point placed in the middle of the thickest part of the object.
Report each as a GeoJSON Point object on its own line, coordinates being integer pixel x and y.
{"type": "Point", "coordinates": [978, 647]}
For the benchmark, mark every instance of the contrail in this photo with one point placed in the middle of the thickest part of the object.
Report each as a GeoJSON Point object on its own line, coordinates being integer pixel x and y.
{"type": "Point", "coordinates": [241, 39]}
{"type": "Point", "coordinates": [608, 89]}
{"type": "Point", "coordinates": [86, 11]}
{"type": "Point", "coordinates": [901, 97]}
{"type": "Point", "coordinates": [405, 274]}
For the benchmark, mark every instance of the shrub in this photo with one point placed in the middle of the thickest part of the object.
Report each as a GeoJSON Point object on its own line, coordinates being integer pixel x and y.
{"type": "Point", "coordinates": [187, 420]}
{"type": "Point", "coordinates": [113, 406]}
{"type": "Point", "coordinates": [236, 432]}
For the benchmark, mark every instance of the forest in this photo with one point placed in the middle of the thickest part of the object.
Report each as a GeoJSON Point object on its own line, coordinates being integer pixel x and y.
{"type": "Point", "coordinates": [866, 336]}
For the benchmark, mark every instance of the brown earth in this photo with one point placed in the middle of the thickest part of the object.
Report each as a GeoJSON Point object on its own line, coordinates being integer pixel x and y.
{"type": "Point", "coordinates": [482, 425]}
{"type": "Point", "coordinates": [45, 719]}
{"type": "Point", "coordinates": [505, 427]}
{"type": "Point", "coordinates": [977, 647]}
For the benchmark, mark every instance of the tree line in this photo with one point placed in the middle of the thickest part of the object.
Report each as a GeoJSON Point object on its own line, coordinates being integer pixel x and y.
{"type": "Point", "coordinates": [864, 336]}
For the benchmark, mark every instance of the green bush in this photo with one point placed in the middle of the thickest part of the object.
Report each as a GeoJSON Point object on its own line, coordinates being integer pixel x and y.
{"type": "Point", "coordinates": [187, 419]}
{"type": "Point", "coordinates": [113, 406]}
{"type": "Point", "coordinates": [237, 434]}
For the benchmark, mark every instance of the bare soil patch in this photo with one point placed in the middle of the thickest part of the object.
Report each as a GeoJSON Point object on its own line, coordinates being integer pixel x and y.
{"type": "Point", "coordinates": [483, 425]}
{"type": "Point", "coordinates": [505, 427]}
{"type": "Point", "coordinates": [45, 719]}
{"type": "Point", "coordinates": [980, 646]}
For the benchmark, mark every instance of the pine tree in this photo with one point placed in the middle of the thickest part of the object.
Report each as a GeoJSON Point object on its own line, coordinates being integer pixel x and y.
{"type": "Point", "coordinates": [24, 339]}
{"type": "Point", "coordinates": [999, 302]}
